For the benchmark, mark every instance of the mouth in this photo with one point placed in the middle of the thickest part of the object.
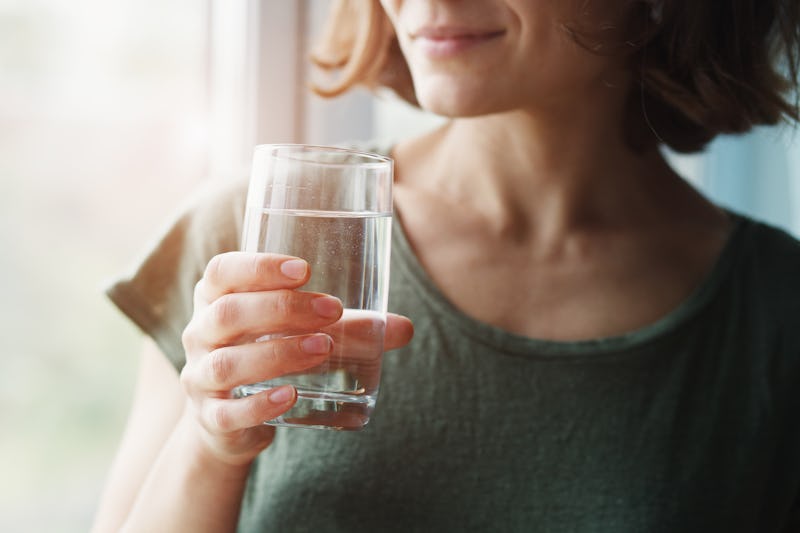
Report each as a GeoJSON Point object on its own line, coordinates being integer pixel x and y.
{"type": "Point", "coordinates": [447, 41]}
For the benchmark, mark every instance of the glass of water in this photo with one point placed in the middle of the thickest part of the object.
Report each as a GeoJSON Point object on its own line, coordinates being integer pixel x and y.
{"type": "Point", "coordinates": [333, 208]}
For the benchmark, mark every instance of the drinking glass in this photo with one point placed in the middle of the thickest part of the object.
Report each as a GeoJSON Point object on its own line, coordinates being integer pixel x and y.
{"type": "Point", "coordinates": [333, 208]}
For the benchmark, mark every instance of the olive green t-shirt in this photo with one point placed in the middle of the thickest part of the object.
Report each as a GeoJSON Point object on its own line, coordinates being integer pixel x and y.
{"type": "Point", "coordinates": [691, 424]}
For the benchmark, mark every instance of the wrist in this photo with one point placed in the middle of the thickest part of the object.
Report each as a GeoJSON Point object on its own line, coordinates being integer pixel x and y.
{"type": "Point", "coordinates": [190, 486]}
{"type": "Point", "coordinates": [206, 457]}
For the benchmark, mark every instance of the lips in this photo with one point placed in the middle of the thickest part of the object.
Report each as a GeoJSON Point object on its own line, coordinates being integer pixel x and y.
{"type": "Point", "coordinates": [446, 41]}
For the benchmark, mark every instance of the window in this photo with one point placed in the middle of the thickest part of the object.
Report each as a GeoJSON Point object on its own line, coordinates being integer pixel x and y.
{"type": "Point", "coordinates": [259, 78]}
{"type": "Point", "coordinates": [104, 125]}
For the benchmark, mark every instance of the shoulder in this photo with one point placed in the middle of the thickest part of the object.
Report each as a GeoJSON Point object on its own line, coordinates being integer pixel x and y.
{"type": "Point", "coordinates": [216, 202]}
{"type": "Point", "coordinates": [771, 259]}
{"type": "Point", "coordinates": [776, 244]}
{"type": "Point", "coordinates": [763, 303]}
{"type": "Point", "coordinates": [767, 285]}
{"type": "Point", "coordinates": [210, 221]}
{"type": "Point", "coordinates": [157, 293]}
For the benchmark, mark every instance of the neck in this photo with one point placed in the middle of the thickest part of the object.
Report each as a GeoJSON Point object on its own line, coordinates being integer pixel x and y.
{"type": "Point", "coordinates": [550, 170]}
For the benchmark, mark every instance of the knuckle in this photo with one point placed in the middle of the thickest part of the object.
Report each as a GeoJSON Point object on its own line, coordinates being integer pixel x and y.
{"type": "Point", "coordinates": [224, 310]}
{"type": "Point", "coordinates": [259, 409]}
{"type": "Point", "coordinates": [185, 378]}
{"type": "Point", "coordinates": [221, 367]}
{"type": "Point", "coordinates": [214, 269]}
{"type": "Point", "coordinates": [188, 337]}
{"type": "Point", "coordinates": [186, 382]}
{"type": "Point", "coordinates": [220, 417]}
{"type": "Point", "coordinates": [270, 354]}
{"type": "Point", "coordinates": [281, 349]}
{"type": "Point", "coordinates": [199, 290]}
{"type": "Point", "coordinates": [283, 305]}
{"type": "Point", "coordinates": [189, 382]}
{"type": "Point", "coordinates": [260, 266]}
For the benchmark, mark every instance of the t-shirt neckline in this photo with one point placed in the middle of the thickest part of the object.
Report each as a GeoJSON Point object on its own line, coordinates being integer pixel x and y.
{"type": "Point", "coordinates": [498, 338]}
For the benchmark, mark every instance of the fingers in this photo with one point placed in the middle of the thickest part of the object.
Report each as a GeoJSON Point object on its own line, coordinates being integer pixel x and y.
{"type": "Point", "coordinates": [399, 331]}
{"type": "Point", "coordinates": [221, 416]}
{"type": "Point", "coordinates": [250, 272]}
{"type": "Point", "coordinates": [365, 335]}
{"type": "Point", "coordinates": [250, 294]}
{"type": "Point", "coordinates": [228, 367]}
{"type": "Point", "coordinates": [240, 317]}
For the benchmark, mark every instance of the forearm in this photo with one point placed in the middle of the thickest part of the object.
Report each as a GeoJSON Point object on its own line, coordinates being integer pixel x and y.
{"type": "Point", "coordinates": [187, 489]}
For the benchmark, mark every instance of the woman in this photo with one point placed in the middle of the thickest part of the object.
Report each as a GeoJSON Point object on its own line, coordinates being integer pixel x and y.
{"type": "Point", "coordinates": [597, 347]}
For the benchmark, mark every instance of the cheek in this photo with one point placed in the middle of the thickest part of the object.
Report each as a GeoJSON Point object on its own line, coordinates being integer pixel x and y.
{"type": "Point", "coordinates": [545, 51]}
{"type": "Point", "coordinates": [548, 63]}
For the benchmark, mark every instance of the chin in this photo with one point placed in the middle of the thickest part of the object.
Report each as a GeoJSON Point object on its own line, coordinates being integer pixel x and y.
{"type": "Point", "coordinates": [456, 100]}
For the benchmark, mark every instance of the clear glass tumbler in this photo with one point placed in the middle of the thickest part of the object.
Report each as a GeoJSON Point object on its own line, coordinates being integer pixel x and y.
{"type": "Point", "coordinates": [333, 208]}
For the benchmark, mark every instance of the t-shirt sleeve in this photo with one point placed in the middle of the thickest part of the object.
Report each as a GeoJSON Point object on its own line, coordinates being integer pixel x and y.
{"type": "Point", "coordinates": [157, 294]}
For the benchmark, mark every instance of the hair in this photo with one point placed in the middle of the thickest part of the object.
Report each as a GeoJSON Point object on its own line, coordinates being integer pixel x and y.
{"type": "Point", "coordinates": [701, 68]}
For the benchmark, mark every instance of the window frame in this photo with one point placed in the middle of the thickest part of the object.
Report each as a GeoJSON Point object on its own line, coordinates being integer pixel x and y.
{"type": "Point", "coordinates": [259, 83]}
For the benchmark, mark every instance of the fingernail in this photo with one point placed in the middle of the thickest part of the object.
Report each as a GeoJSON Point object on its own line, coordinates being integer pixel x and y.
{"type": "Point", "coordinates": [281, 394]}
{"type": "Point", "coordinates": [294, 268]}
{"type": "Point", "coordinates": [327, 306]}
{"type": "Point", "coordinates": [316, 344]}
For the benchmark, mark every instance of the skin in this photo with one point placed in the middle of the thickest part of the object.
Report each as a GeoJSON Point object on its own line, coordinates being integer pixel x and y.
{"type": "Point", "coordinates": [598, 239]}
{"type": "Point", "coordinates": [194, 442]}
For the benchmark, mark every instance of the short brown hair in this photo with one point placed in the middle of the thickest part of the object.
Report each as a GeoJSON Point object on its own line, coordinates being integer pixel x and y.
{"type": "Point", "coordinates": [703, 67]}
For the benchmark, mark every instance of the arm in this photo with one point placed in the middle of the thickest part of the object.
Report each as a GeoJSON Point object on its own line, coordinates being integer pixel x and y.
{"type": "Point", "coordinates": [157, 405]}
{"type": "Point", "coordinates": [160, 479]}
{"type": "Point", "coordinates": [185, 458]}
{"type": "Point", "coordinates": [158, 472]}
{"type": "Point", "coordinates": [188, 489]}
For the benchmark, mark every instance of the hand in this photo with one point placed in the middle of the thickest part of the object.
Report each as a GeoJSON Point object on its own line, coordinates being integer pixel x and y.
{"type": "Point", "coordinates": [242, 297]}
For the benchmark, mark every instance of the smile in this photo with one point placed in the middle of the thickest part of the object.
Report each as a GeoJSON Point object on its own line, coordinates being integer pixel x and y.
{"type": "Point", "coordinates": [442, 42]}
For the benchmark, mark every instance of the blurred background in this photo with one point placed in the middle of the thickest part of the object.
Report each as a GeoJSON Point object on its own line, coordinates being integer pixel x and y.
{"type": "Point", "coordinates": [111, 112]}
{"type": "Point", "coordinates": [103, 117]}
